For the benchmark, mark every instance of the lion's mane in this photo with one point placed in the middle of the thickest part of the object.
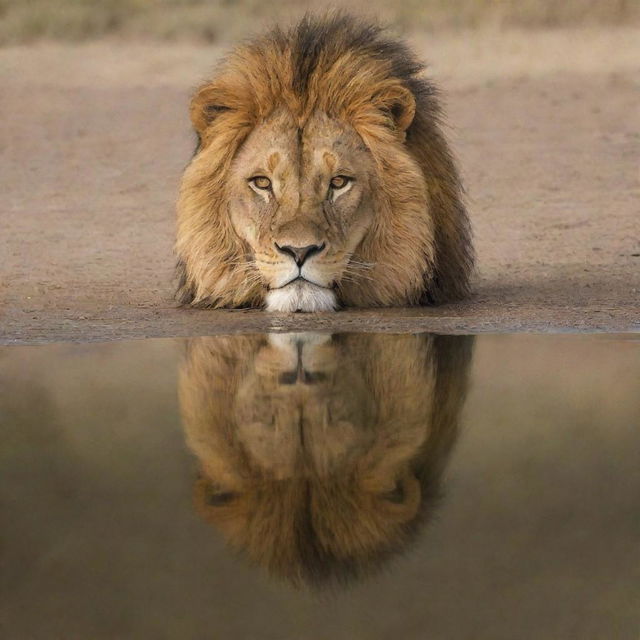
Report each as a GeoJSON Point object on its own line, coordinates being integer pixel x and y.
{"type": "Point", "coordinates": [353, 72]}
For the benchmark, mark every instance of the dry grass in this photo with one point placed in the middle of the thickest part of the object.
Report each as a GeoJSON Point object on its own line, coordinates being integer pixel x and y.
{"type": "Point", "coordinates": [219, 20]}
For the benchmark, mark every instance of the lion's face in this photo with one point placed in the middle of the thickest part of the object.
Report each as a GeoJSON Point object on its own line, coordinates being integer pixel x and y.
{"type": "Point", "coordinates": [317, 453]}
{"type": "Point", "coordinates": [302, 200]}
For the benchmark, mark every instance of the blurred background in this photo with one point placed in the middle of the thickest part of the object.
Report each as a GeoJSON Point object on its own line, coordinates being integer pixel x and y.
{"type": "Point", "coordinates": [221, 20]}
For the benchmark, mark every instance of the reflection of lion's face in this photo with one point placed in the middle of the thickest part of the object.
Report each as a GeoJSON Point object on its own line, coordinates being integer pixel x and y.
{"type": "Point", "coordinates": [317, 452]}
{"type": "Point", "coordinates": [290, 419]}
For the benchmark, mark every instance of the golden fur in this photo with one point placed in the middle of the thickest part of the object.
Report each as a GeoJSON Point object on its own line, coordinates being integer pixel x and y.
{"type": "Point", "coordinates": [337, 85]}
{"type": "Point", "coordinates": [320, 455]}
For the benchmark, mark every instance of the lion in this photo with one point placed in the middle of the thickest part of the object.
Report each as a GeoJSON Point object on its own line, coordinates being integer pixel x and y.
{"type": "Point", "coordinates": [320, 456]}
{"type": "Point", "coordinates": [321, 178]}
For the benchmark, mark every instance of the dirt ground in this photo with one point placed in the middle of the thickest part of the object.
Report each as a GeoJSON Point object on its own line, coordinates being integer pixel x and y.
{"type": "Point", "coordinates": [93, 139]}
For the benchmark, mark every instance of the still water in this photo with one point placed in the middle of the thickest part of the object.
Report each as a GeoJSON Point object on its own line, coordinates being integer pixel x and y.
{"type": "Point", "coordinates": [310, 486]}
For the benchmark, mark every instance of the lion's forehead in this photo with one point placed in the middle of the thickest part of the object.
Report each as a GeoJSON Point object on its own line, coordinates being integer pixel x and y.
{"type": "Point", "coordinates": [288, 152]}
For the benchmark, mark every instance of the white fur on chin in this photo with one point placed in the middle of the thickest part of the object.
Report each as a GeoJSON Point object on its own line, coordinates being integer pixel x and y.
{"type": "Point", "coordinates": [301, 296]}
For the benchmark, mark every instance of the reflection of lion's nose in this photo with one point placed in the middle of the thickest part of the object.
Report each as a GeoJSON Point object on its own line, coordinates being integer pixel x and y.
{"type": "Point", "coordinates": [300, 254]}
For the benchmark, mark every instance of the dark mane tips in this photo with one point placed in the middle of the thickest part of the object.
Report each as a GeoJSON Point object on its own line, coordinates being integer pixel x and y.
{"type": "Point", "coordinates": [326, 38]}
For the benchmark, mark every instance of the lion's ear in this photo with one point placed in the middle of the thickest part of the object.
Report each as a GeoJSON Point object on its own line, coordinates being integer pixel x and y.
{"type": "Point", "coordinates": [206, 106]}
{"type": "Point", "coordinates": [400, 104]}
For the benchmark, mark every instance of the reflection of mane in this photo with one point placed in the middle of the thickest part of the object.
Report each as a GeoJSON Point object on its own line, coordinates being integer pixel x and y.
{"type": "Point", "coordinates": [320, 456]}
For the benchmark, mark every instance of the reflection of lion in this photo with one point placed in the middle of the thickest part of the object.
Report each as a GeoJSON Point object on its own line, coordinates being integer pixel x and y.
{"type": "Point", "coordinates": [321, 178]}
{"type": "Point", "coordinates": [320, 455]}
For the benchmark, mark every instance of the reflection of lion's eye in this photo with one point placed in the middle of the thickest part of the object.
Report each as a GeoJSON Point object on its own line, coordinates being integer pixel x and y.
{"type": "Point", "coordinates": [338, 182]}
{"type": "Point", "coordinates": [396, 495]}
{"type": "Point", "coordinates": [221, 498]}
{"type": "Point", "coordinates": [260, 182]}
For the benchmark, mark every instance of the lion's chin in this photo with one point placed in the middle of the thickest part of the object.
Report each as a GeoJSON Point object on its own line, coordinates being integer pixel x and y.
{"type": "Point", "coordinates": [303, 296]}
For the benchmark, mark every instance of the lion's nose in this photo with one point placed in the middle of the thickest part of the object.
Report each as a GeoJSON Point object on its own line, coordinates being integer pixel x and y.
{"type": "Point", "coordinates": [300, 254]}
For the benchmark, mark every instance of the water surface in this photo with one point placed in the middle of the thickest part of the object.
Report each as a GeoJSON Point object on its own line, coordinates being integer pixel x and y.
{"type": "Point", "coordinates": [315, 486]}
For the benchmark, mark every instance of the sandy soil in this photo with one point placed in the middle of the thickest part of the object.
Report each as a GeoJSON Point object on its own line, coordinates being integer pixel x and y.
{"type": "Point", "coordinates": [93, 139]}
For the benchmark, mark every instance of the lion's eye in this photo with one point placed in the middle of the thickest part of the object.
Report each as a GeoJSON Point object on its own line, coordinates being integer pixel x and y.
{"type": "Point", "coordinates": [260, 182]}
{"type": "Point", "coordinates": [339, 182]}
